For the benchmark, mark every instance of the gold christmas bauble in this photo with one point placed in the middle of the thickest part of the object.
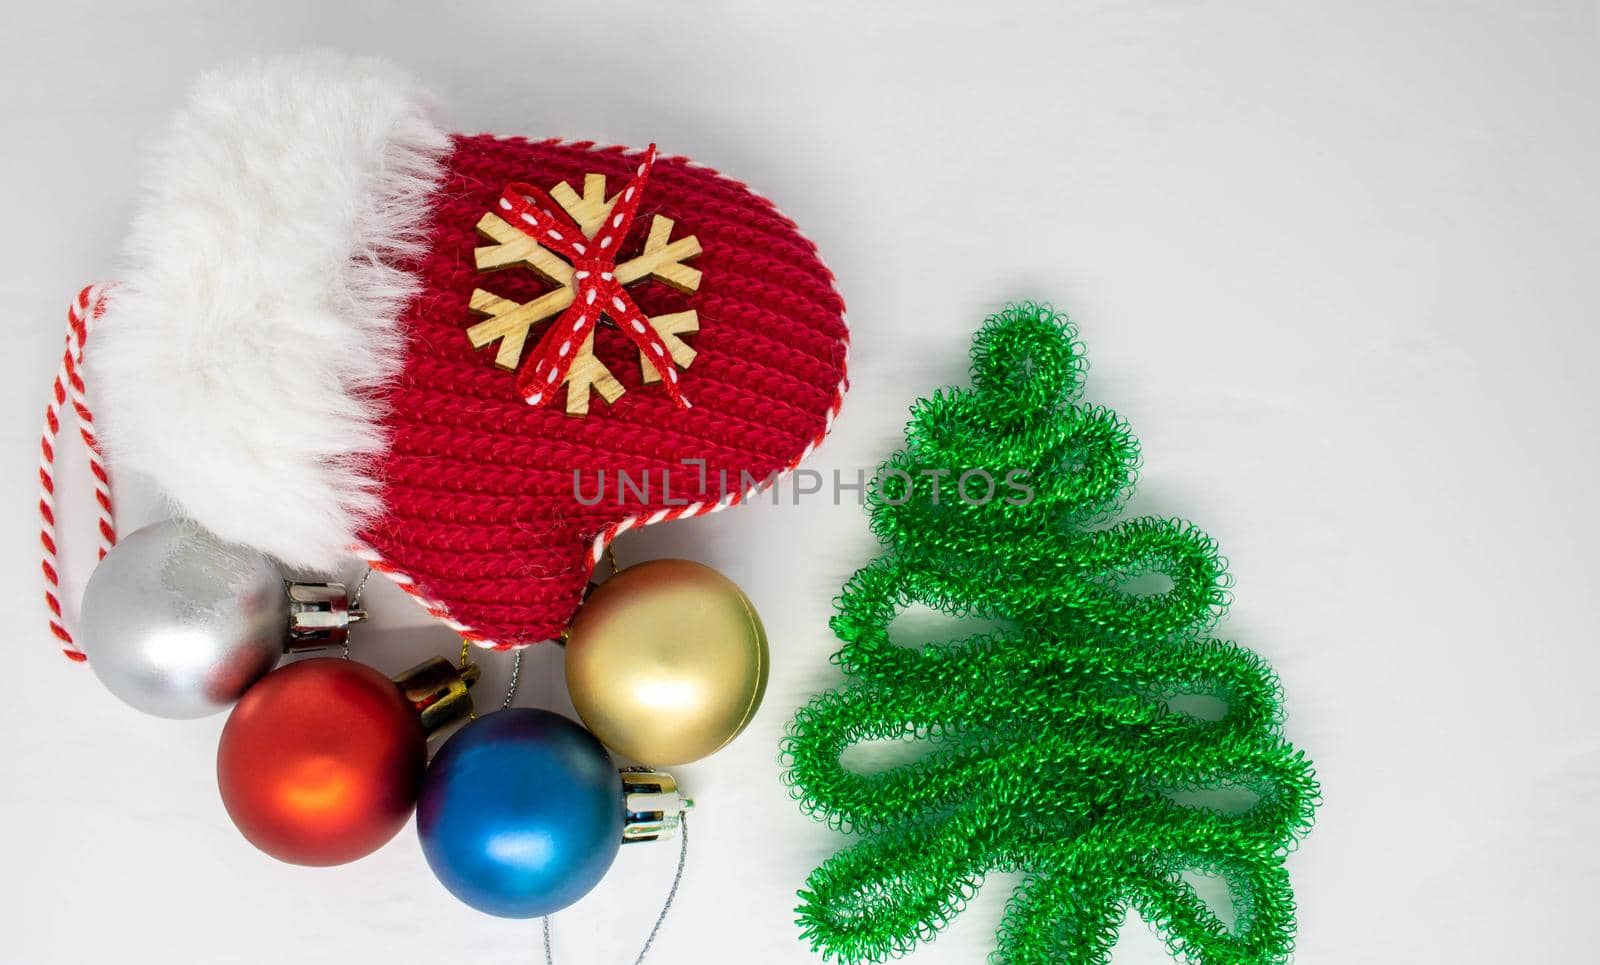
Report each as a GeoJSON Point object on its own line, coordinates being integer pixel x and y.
{"type": "Point", "coordinates": [667, 662]}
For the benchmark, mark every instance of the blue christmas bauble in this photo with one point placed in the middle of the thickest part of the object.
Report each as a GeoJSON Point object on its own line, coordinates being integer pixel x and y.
{"type": "Point", "coordinates": [521, 813]}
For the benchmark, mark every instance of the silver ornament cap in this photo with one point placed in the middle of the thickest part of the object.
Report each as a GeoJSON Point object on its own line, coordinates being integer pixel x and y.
{"type": "Point", "coordinates": [178, 623]}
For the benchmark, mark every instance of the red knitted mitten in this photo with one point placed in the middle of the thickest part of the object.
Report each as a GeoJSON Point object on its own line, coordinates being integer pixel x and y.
{"type": "Point", "coordinates": [471, 360]}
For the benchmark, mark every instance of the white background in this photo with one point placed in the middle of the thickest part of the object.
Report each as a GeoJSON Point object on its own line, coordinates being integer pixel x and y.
{"type": "Point", "coordinates": [1335, 262]}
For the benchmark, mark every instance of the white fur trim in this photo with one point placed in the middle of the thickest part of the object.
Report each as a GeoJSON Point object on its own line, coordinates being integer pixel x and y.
{"type": "Point", "coordinates": [237, 362]}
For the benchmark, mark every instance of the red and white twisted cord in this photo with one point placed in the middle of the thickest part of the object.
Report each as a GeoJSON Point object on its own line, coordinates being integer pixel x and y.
{"type": "Point", "coordinates": [405, 582]}
{"type": "Point", "coordinates": [598, 548]}
{"type": "Point", "coordinates": [81, 316]}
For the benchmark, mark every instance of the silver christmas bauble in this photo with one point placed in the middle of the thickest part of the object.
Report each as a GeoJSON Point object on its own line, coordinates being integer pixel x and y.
{"type": "Point", "coordinates": [178, 623]}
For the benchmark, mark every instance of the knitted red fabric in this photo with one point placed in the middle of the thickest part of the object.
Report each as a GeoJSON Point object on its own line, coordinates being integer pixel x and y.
{"type": "Point", "coordinates": [483, 517]}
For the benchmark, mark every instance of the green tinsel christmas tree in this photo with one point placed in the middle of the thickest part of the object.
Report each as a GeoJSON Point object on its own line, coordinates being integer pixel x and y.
{"type": "Point", "coordinates": [1076, 747]}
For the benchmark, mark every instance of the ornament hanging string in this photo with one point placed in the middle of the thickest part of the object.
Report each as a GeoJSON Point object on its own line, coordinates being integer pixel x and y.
{"type": "Point", "coordinates": [672, 894]}
{"type": "Point", "coordinates": [355, 604]}
{"type": "Point", "coordinates": [85, 310]}
{"type": "Point", "coordinates": [511, 687]}
{"type": "Point", "coordinates": [597, 289]}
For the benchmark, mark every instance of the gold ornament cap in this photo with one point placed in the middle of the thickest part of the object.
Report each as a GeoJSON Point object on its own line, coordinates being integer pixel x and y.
{"type": "Point", "coordinates": [440, 692]}
{"type": "Point", "coordinates": [667, 662]}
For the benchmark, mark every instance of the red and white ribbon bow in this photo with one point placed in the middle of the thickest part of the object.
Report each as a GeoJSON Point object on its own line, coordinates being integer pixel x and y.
{"type": "Point", "coordinates": [596, 289]}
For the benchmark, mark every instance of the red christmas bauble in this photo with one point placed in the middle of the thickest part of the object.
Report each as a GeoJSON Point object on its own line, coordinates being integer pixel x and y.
{"type": "Point", "coordinates": [321, 761]}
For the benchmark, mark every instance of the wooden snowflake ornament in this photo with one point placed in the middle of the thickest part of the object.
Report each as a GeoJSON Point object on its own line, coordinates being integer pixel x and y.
{"type": "Point", "coordinates": [578, 253]}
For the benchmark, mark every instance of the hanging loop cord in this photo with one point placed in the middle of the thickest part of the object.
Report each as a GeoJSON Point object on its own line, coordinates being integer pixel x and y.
{"type": "Point", "coordinates": [677, 879]}
{"type": "Point", "coordinates": [81, 317]}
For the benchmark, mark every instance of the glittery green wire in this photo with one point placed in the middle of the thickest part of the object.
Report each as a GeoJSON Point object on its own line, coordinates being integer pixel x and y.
{"type": "Point", "coordinates": [1072, 747]}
